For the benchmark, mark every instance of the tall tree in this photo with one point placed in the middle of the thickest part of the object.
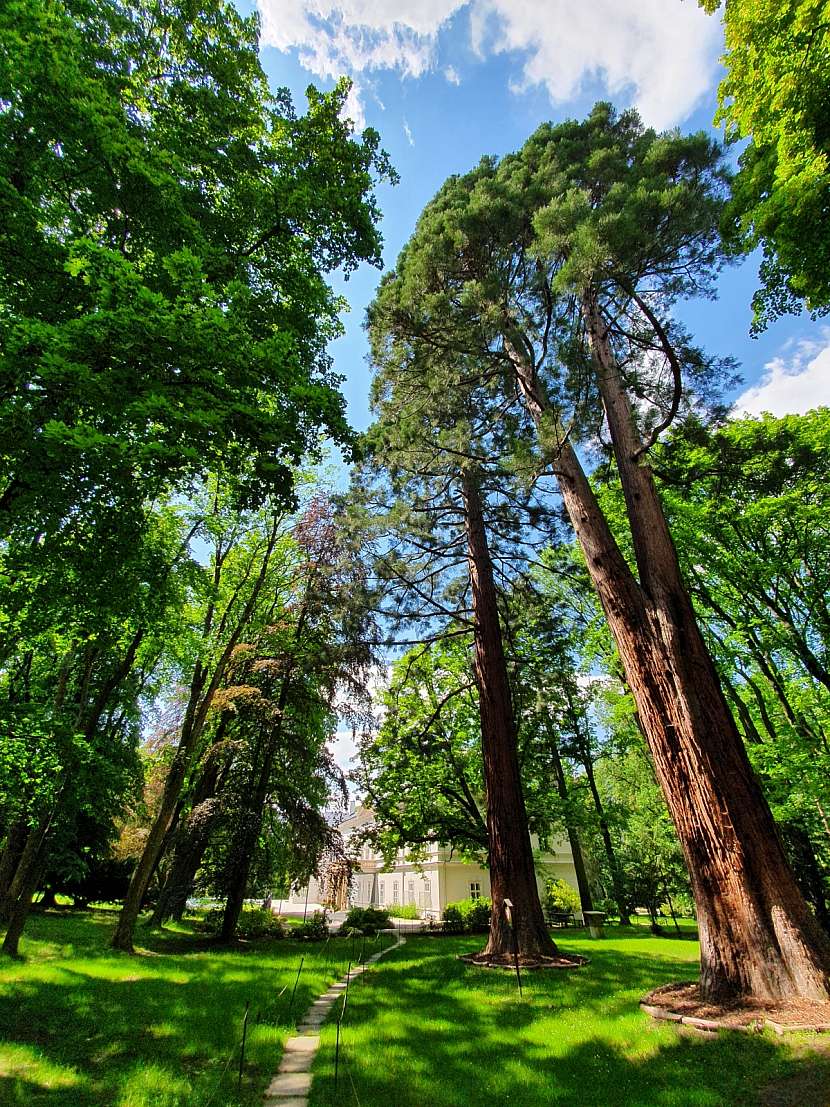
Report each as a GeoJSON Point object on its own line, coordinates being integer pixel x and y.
{"type": "Point", "coordinates": [559, 267]}
{"type": "Point", "coordinates": [171, 221]}
{"type": "Point", "coordinates": [242, 553]}
{"type": "Point", "coordinates": [446, 499]}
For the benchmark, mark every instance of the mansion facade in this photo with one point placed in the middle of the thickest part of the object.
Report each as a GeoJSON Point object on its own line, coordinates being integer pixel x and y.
{"type": "Point", "coordinates": [437, 878]}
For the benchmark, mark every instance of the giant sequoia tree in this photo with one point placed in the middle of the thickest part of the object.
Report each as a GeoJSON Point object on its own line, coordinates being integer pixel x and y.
{"type": "Point", "coordinates": [559, 268]}
{"type": "Point", "coordinates": [451, 534]}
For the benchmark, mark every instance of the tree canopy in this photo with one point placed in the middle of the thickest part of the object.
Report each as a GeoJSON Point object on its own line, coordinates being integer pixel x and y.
{"type": "Point", "coordinates": [775, 97]}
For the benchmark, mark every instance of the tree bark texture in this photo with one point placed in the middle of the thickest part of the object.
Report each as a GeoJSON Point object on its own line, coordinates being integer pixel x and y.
{"type": "Point", "coordinates": [12, 852]}
{"type": "Point", "coordinates": [512, 873]}
{"type": "Point", "coordinates": [757, 935]}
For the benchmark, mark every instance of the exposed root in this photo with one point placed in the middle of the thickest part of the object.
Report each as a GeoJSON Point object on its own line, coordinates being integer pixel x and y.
{"type": "Point", "coordinates": [508, 961]}
{"type": "Point", "coordinates": [683, 1003]}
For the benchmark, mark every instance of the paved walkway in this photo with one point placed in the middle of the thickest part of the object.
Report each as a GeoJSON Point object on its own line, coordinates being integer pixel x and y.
{"type": "Point", "coordinates": [291, 1085]}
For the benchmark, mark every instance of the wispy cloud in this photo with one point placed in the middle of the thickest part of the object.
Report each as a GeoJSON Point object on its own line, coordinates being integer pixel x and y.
{"type": "Point", "coordinates": [407, 130]}
{"type": "Point", "coordinates": [452, 75]}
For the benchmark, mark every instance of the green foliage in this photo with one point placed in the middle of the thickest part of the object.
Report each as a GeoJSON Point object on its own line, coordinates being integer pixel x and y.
{"type": "Point", "coordinates": [468, 916]}
{"type": "Point", "coordinates": [749, 507]}
{"type": "Point", "coordinates": [775, 94]}
{"type": "Point", "coordinates": [254, 922]}
{"type": "Point", "coordinates": [368, 920]}
{"type": "Point", "coordinates": [403, 911]}
{"type": "Point", "coordinates": [560, 896]}
{"type": "Point", "coordinates": [163, 291]}
{"type": "Point", "coordinates": [315, 929]}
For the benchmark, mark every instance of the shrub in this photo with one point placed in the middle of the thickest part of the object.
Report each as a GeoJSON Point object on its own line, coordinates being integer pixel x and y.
{"type": "Point", "coordinates": [403, 911]}
{"type": "Point", "coordinates": [254, 922]}
{"type": "Point", "coordinates": [467, 916]}
{"type": "Point", "coordinates": [369, 920]}
{"type": "Point", "coordinates": [453, 919]}
{"type": "Point", "coordinates": [560, 896]}
{"type": "Point", "coordinates": [105, 881]}
{"type": "Point", "coordinates": [315, 929]}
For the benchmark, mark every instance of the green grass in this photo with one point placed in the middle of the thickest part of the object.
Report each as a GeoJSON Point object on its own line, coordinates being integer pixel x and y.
{"type": "Point", "coordinates": [83, 1026]}
{"type": "Point", "coordinates": [426, 1029]}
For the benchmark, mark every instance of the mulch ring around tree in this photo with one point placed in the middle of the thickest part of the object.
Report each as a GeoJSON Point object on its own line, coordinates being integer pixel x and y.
{"type": "Point", "coordinates": [508, 961]}
{"type": "Point", "coordinates": [682, 1003]}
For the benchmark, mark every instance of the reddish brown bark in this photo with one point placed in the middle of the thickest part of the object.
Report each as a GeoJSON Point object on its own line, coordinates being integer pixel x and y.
{"type": "Point", "coordinates": [512, 873]}
{"type": "Point", "coordinates": [758, 937]}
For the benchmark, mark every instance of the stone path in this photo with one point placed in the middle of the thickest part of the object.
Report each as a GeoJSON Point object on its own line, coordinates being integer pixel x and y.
{"type": "Point", "coordinates": [291, 1084]}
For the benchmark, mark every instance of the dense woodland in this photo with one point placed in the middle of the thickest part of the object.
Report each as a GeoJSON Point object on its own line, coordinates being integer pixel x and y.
{"type": "Point", "coordinates": [564, 592]}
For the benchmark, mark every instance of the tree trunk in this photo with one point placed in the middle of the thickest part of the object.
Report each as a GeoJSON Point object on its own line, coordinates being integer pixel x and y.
{"type": "Point", "coordinates": [203, 688]}
{"type": "Point", "coordinates": [757, 935]}
{"type": "Point", "coordinates": [125, 930]}
{"type": "Point", "coordinates": [617, 882]}
{"type": "Point", "coordinates": [250, 823]}
{"type": "Point", "coordinates": [191, 841]}
{"type": "Point", "coordinates": [573, 837]}
{"type": "Point", "coordinates": [512, 873]}
{"type": "Point", "coordinates": [27, 864]}
{"type": "Point", "coordinates": [12, 852]}
{"type": "Point", "coordinates": [23, 905]}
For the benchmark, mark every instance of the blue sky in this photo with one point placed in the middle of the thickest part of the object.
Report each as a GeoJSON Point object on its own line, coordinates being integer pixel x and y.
{"type": "Point", "coordinates": [446, 81]}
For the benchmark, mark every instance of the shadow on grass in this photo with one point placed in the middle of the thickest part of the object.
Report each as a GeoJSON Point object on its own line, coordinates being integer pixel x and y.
{"type": "Point", "coordinates": [429, 1029]}
{"type": "Point", "coordinates": [83, 1026]}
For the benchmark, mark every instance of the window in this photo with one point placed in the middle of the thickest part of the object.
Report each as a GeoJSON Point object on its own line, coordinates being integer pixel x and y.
{"type": "Point", "coordinates": [381, 892]}
{"type": "Point", "coordinates": [410, 891]}
{"type": "Point", "coordinates": [396, 897]}
{"type": "Point", "coordinates": [475, 889]}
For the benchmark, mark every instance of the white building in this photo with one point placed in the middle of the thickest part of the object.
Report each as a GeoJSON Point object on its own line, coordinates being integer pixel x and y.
{"type": "Point", "coordinates": [436, 878]}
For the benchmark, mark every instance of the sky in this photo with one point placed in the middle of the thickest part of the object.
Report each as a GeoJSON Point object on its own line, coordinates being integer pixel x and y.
{"type": "Point", "coordinates": [445, 82]}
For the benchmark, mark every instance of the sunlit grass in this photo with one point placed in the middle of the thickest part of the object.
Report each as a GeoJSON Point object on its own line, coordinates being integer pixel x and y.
{"type": "Point", "coordinates": [83, 1026]}
{"type": "Point", "coordinates": [428, 1029]}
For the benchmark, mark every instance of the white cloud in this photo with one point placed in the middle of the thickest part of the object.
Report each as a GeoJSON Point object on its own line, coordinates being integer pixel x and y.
{"type": "Point", "coordinates": [452, 75]}
{"type": "Point", "coordinates": [407, 130]}
{"type": "Point", "coordinates": [791, 386]}
{"type": "Point", "coordinates": [343, 749]}
{"type": "Point", "coordinates": [661, 56]}
{"type": "Point", "coordinates": [353, 108]}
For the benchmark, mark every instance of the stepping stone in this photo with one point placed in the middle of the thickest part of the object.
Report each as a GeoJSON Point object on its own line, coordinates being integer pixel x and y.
{"type": "Point", "coordinates": [296, 1062]}
{"type": "Point", "coordinates": [286, 1085]}
{"type": "Point", "coordinates": [307, 1044]}
{"type": "Point", "coordinates": [281, 1101]}
{"type": "Point", "coordinates": [311, 1022]}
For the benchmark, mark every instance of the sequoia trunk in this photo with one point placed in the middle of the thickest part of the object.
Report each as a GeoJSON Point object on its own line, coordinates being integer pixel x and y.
{"type": "Point", "coordinates": [757, 935]}
{"type": "Point", "coordinates": [512, 873]}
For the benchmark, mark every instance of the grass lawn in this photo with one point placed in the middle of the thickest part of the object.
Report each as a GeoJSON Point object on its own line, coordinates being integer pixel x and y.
{"type": "Point", "coordinates": [425, 1029]}
{"type": "Point", "coordinates": [83, 1026]}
